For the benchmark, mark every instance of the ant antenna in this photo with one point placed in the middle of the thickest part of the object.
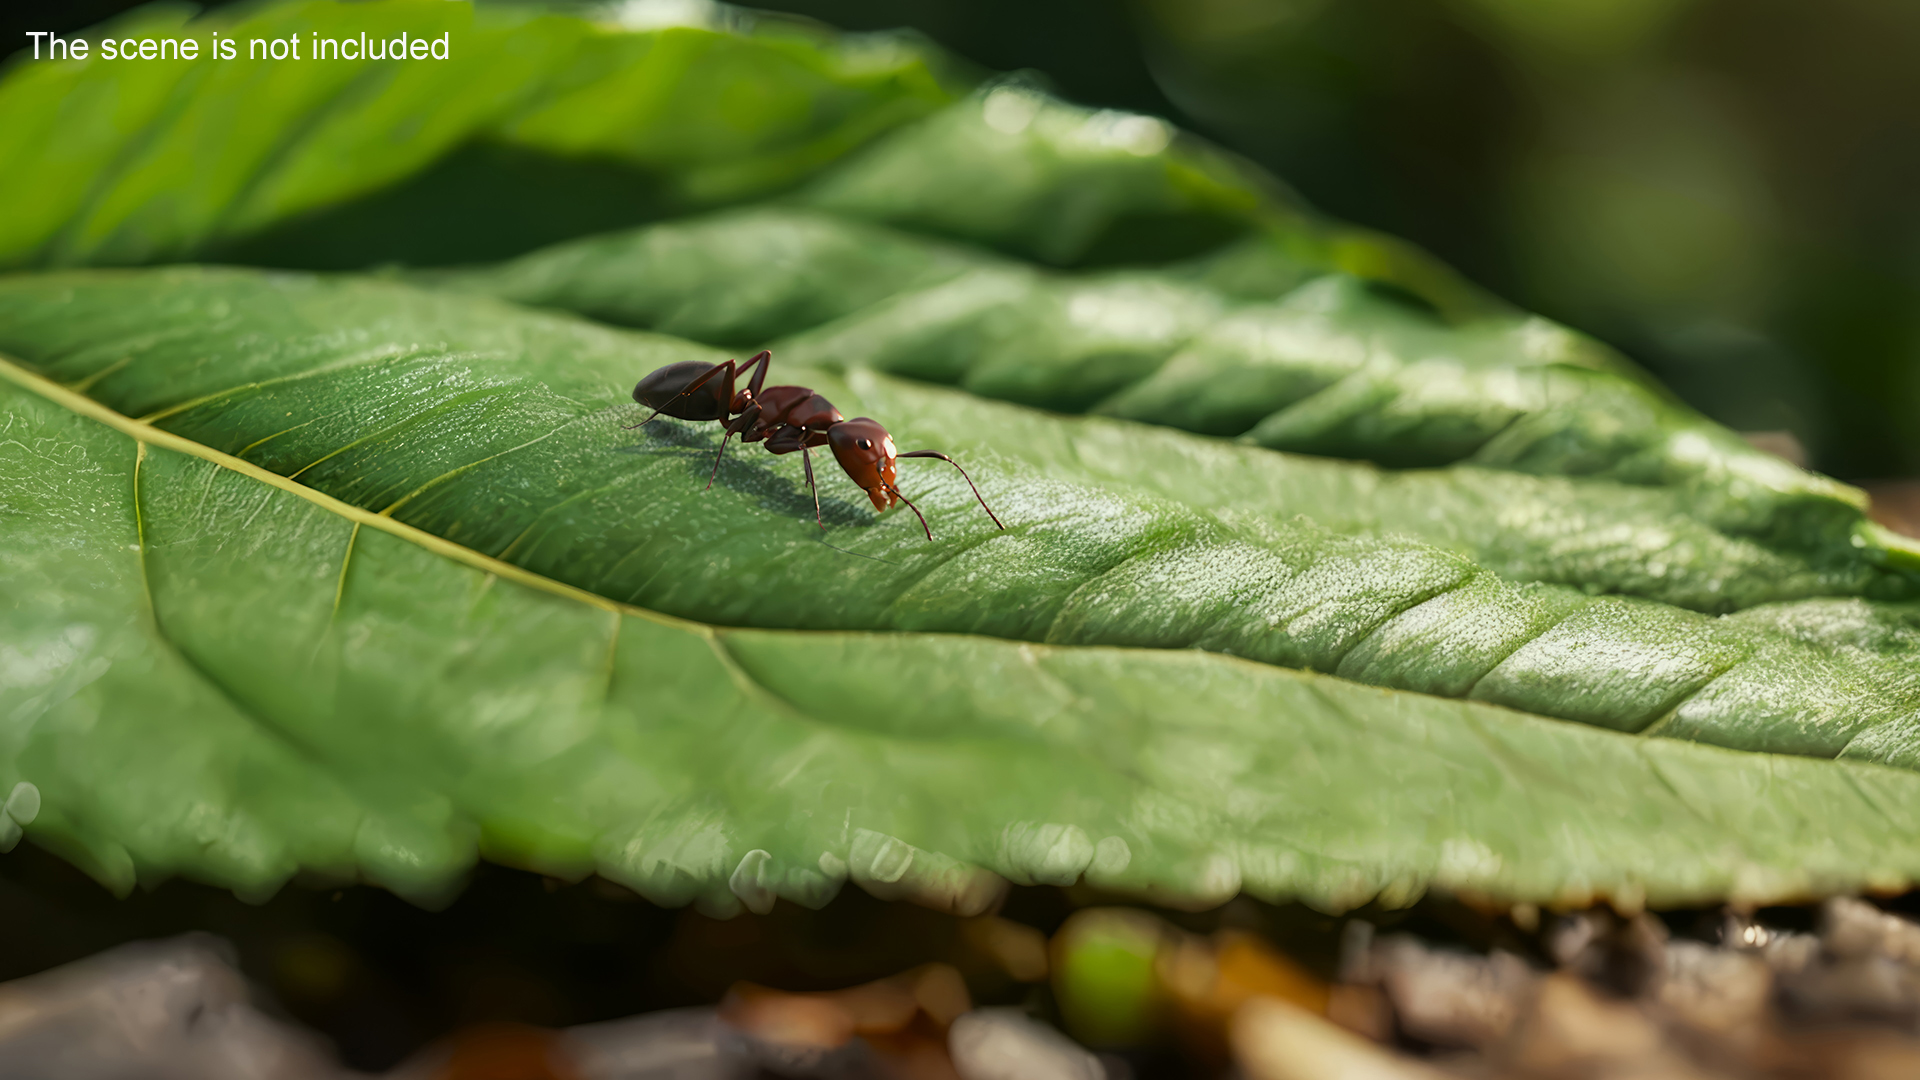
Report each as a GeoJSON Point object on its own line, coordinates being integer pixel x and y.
{"type": "Point", "coordinates": [963, 474]}
{"type": "Point", "coordinates": [858, 554]}
{"type": "Point", "coordinates": [915, 509]}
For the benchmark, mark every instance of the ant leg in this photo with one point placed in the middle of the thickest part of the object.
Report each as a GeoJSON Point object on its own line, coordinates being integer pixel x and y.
{"type": "Point", "coordinates": [764, 358]}
{"type": "Point", "coordinates": [728, 367]}
{"type": "Point", "coordinates": [786, 441]}
{"type": "Point", "coordinates": [915, 509]}
{"type": "Point", "coordinates": [963, 473]}
{"type": "Point", "coordinates": [806, 458]}
{"type": "Point", "coordinates": [692, 387]}
{"type": "Point", "coordinates": [734, 369]}
{"type": "Point", "coordinates": [740, 423]}
{"type": "Point", "coordinates": [705, 376]}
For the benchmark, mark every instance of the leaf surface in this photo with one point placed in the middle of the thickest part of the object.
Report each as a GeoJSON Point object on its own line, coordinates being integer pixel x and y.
{"type": "Point", "coordinates": [399, 705]}
{"type": "Point", "coordinates": [500, 430]}
{"type": "Point", "coordinates": [1330, 368]}
{"type": "Point", "coordinates": [335, 163]}
{"type": "Point", "coordinates": [344, 576]}
{"type": "Point", "coordinates": [574, 124]}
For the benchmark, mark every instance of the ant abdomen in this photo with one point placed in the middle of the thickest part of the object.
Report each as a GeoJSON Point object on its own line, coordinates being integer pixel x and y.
{"type": "Point", "coordinates": [665, 390]}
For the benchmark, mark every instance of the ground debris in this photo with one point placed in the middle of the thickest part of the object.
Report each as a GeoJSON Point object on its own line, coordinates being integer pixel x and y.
{"type": "Point", "coordinates": [1608, 997]}
{"type": "Point", "coordinates": [156, 1010]}
{"type": "Point", "coordinates": [1573, 1029]}
{"type": "Point", "coordinates": [1006, 1044]}
{"type": "Point", "coordinates": [1276, 1040]}
{"type": "Point", "coordinates": [1449, 998]}
{"type": "Point", "coordinates": [1854, 929]}
{"type": "Point", "coordinates": [1123, 993]}
{"type": "Point", "coordinates": [1716, 990]}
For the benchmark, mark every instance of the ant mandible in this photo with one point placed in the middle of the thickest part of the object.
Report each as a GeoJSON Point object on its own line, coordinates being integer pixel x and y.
{"type": "Point", "coordinates": [786, 418]}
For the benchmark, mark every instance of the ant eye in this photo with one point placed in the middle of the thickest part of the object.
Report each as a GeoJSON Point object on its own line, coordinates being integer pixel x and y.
{"type": "Point", "coordinates": [866, 444]}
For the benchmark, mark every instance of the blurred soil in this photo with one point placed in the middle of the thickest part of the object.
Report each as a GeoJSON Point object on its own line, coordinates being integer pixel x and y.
{"type": "Point", "coordinates": [526, 978]}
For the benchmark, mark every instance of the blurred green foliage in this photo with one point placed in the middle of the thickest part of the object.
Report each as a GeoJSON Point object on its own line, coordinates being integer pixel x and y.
{"type": "Point", "coordinates": [1721, 187]}
{"type": "Point", "coordinates": [1724, 188]}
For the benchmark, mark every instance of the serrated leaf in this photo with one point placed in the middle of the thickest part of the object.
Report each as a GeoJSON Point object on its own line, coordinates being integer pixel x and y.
{"type": "Point", "coordinates": [501, 430]}
{"type": "Point", "coordinates": [351, 595]}
{"type": "Point", "coordinates": [1331, 368]}
{"type": "Point", "coordinates": [399, 705]}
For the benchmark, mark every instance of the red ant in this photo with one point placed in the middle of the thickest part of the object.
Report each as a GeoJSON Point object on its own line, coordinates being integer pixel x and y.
{"type": "Point", "coordinates": [786, 418]}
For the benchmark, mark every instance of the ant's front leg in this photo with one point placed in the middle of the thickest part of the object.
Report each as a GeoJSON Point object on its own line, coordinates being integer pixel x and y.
{"type": "Point", "coordinates": [786, 441]}
{"type": "Point", "coordinates": [814, 438]}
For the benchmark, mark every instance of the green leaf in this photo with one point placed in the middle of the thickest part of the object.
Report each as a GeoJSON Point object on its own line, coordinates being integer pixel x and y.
{"type": "Point", "coordinates": [546, 126]}
{"type": "Point", "coordinates": [549, 125]}
{"type": "Point", "coordinates": [1022, 171]}
{"type": "Point", "coordinates": [351, 578]}
{"type": "Point", "coordinates": [500, 430]}
{"type": "Point", "coordinates": [1014, 169]}
{"type": "Point", "coordinates": [214, 671]}
{"type": "Point", "coordinates": [1331, 368]}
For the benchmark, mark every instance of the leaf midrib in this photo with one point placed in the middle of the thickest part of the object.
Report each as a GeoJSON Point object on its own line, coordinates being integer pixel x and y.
{"type": "Point", "coordinates": [145, 434]}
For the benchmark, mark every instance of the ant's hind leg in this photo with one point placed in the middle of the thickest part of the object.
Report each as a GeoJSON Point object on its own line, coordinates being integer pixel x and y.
{"type": "Point", "coordinates": [806, 458]}
{"type": "Point", "coordinates": [688, 390]}
{"type": "Point", "coordinates": [764, 359]}
{"type": "Point", "coordinates": [740, 423]}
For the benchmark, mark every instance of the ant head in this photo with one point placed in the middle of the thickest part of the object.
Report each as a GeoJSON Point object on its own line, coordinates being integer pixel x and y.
{"type": "Point", "coordinates": [866, 451]}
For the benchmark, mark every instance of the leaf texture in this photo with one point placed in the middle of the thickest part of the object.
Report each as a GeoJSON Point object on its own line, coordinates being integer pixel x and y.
{"type": "Point", "coordinates": [360, 577]}
{"type": "Point", "coordinates": [398, 706]}
{"type": "Point", "coordinates": [576, 124]}
{"type": "Point", "coordinates": [501, 431]}
{"type": "Point", "coordinates": [1330, 368]}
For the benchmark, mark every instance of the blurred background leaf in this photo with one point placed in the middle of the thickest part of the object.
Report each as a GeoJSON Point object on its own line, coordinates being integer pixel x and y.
{"type": "Point", "coordinates": [1723, 188]}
